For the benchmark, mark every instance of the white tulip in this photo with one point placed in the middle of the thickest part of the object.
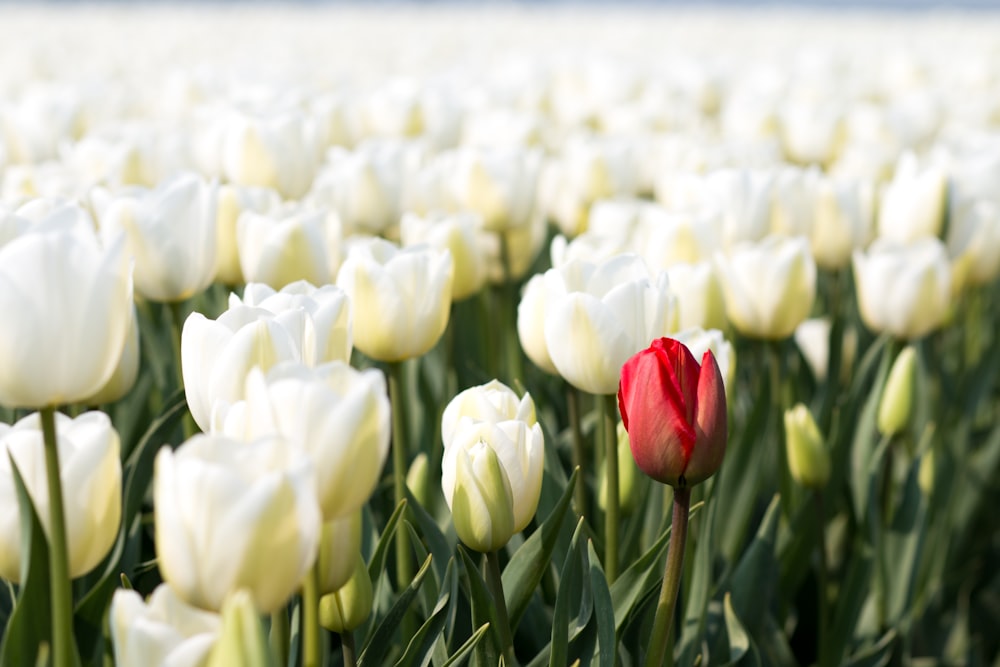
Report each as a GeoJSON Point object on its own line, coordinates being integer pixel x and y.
{"type": "Point", "coordinates": [491, 402]}
{"type": "Point", "coordinates": [271, 151]}
{"type": "Point", "coordinates": [531, 312]}
{"type": "Point", "coordinates": [235, 515]}
{"type": "Point", "coordinates": [769, 287]}
{"type": "Point", "coordinates": [459, 233]}
{"type": "Point", "coordinates": [844, 221]}
{"type": "Point", "coordinates": [337, 416]}
{"type": "Point", "coordinates": [164, 631]}
{"type": "Point", "coordinates": [286, 246]}
{"type": "Point", "coordinates": [699, 296]}
{"type": "Point", "coordinates": [498, 184]}
{"type": "Point", "coordinates": [406, 297]}
{"type": "Point", "coordinates": [91, 476]}
{"type": "Point", "coordinates": [171, 233]}
{"type": "Point", "coordinates": [597, 316]}
{"type": "Point", "coordinates": [233, 201]}
{"type": "Point", "coordinates": [62, 293]}
{"type": "Point", "coordinates": [913, 204]}
{"type": "Point", "coordinates": [903, 290]}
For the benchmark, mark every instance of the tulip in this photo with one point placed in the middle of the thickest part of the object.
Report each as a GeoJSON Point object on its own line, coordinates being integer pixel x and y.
{"type": "Point", "coordinates": [531, 313]}
{"type": "Point", "coordinates": [340, 541]}
{"type": "Point", "coordinates": [813, 339]}
{"type": "Point", "coordinates": [286, 247]}
{"type": "Point", "coordinates": [492, 402]}
{"type": "Point", "coordinates": [242, 640]}
{"type": "Point", "coordinates": [480, 498]}
{"type": "Point", "coordinates": [903, 290]}
{"type": "Point", "coordinates": [498, 184]}
{"type": "Point", "coordinates": [666, 239]}
{"type": "Point", "coordinates": [325, 332]}
{"type": "Point", "coordinates": [163, 632]}
{"type": "Point", "coordinates": [699, 297]}
{"type": "Point", "coordinates": [235, 515]}
{"type": "Point", "coordinates": [418, 479]}
{"type": "Point", "coordinates": [270, 151]}
{"type": "Point", "coordinates": [808, 458]}
{"type": "Point", "coordinates": [406, 295]}
{"type": "Point", "coordinates": [896, 404]}
{"type": "Point", "coordinates": [336, 415]}
{"type": "Point", "coordinates": [217, 355]}
{"type": "Point", "coordinates": [843, 221]}
{"type": "Point", "coordinates": [913, 204]}
{"type": "Point", "coordinates": [171, 233]}
{"type": "Point", "coordinates": [675, 413]}
{"type": "Point", "coordinates": [123, 379]}
{"type": "Point", "coordinates": [91, 477]}
{"type": "Point", "coordinates": [233, 200]}
{"type": "Point", "coordinates": [974, 235]}
{"type": "Point", "coordinates": [589, 246]}
{"type": "Point", "coordinates": [743, 199]}
{"type": "Point", "coordinates": [68, 295]}
{"type": "Point", "coordinates": [519, 451]}
{"type": "Point", "coordinates": [460, 234]}
{"type": "Point", "coordinates": [348, 607]}
{"type": "Point", "coordinates": [769, 287]}
{"type": "Point", "coordinates": [793, 201]}
{"type": "Point", "coordinates": [597, 316]}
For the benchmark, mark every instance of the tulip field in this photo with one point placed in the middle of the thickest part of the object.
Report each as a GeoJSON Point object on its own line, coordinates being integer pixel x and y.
{"type": "Point", "coordinates": [524, 335]}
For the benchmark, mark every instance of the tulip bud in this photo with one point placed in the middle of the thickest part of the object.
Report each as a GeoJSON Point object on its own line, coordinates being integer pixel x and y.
{"type": "Point", "coordinates": [675, 413]}
{"type": "Point", "coordinates": [418, 479]}
{"type": "Point", "coordinates": [628, 487]}
{"type": "Point", "coordinates": [808, 458]}
{"type": "Point", "coordinates": [348, 607]}
{"type": "Point", "coordinates": [896, 405]}
{"type": "Point", "coordinates": [482, 505]}
{"type": "Point", "coordinates": [242, 641]}
{"type": "Point", "coordinates": [340, 538]}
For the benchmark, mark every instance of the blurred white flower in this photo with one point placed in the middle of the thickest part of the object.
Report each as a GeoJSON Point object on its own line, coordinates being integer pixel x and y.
{"type": "Point", "coordinates": [288, 245]}
{"type": "Point", "coordinates": [276, 151]}
{"type": "Point", "coordinates": [164, 631]}
{"type": "Point", "coordinates": [459, 233]}
{"type": "Point", "coordinates": [913, 204]}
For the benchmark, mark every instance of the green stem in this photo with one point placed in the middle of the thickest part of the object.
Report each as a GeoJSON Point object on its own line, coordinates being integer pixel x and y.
{"type": "Point", "coordinates": [573, 407]}
{"type": "Point", "coordinates": [495, 582]}
{"type": "Point", "coordinates": [61, 586]}
{"type": "Point", "coordinates": [514, 361]}
{"type": "Point", "coordinates": [280, 635]}
{"type": "Point", "coordinates": [823, 655]}
{"type": "Point", "coordinates": [177, 322]}
{"type": "Point", "coordinates": [663, 621]}
{"type": "Point", "coordinates": [312, 655]}
{"type": "Point", "coordinates": [404, 568]}
{"type": "Point", "coordinates": [611, 467]}
{"type": "Point", "coordinates": [348, 649]}
{"type": "Point", "coordinates": [779, 406]}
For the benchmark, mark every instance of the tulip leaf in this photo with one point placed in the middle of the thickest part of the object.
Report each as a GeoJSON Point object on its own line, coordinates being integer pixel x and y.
{"type": "Point", "coordinates": [569, 588]}
{"type": "Point", "coordinates": [377, 563]}
{"type": "Point", "coordinates": [28, 628]}
{"type": "Point", "coordinates": [527, 566]}
{"type": "Point", "coordinates": [645, 574]}
{"type": "Point", "coordinates": [428, 597]}
{"type": "Point", "coordinates": [903, 543]}
{"type": "Point", "coordinates": [854, 589]}
{"type": "Point", "coordinates": [465, 649]}
{"type": "Point", "coordinates": [865, 454]}
{"type": "Point", "coordinates": [436, 542]}
{"type": "Point", "coordinates": [604, 611]}
{"type": "Point", "coordinates": [381, 640]}
{"type": "Point", "coordinates": [483, 608]}
{"type": "Point", "coordinates": [755, 577]}
{"type": "Point", "coordinates": [740, 645]}
{"type": "Point", "coordinates": [421, 646]}
{"type": "Point", "coordinates": [877, 655]}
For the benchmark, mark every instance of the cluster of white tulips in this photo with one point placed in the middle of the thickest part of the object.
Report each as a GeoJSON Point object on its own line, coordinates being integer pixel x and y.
{"type": "Point", "coordinates": [280, 193]}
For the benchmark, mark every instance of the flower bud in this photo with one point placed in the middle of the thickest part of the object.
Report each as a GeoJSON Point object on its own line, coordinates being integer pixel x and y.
{"type": "Point", "coordinates": [339, 540]}
{"type": "Point", "coordinates": [418, 479]}
{"type": "Point", "coordinates": [348, 607]}
{"type": "Point", "coordinates": [628, 487]}
{"type": "Point", "coordinates": [808, 458]}
{"type": "Point", "coordinates": [482, 502]}
{"type": "Point", "coordinates": [675, 413]}
{"type": "Point", "coordinates": [896, 405]}
{"type": "Point", "coordinates": [242, 641]}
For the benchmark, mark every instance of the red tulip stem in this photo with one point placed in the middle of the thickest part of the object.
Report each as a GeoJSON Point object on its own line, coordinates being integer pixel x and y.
{"type": "Point", "coordinates": [663, 621]}
{"type": "Point", "coordinates": [611, 466]}
{"type": "Point", "coordinates": [61, 586]}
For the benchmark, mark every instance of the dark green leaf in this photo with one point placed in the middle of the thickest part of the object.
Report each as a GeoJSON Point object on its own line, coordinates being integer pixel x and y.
{"type": "Point", "coordinates": [381, 641]}
{"type": "Point", "coordinates": [421, 646]}
{"type": "Point", "coordinates": [604, 611]}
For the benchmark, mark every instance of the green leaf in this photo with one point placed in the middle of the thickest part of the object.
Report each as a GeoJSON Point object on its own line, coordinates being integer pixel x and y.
{"type": "Point", "coordinates": [525, 569]}
{"type": "Point", "coordinates": [377, 564]}
{"type": "Point", "coordinates": [604, 610]}
{"type": "Point", "coordinates": [381, 640]}
{"type": "Point", "coordinates": [877, 655]}
{"type": "Point", "coordinates": [865, 455]}
{"type": "Point", "coordinates": [483, 608]}
{"type": "Point", "coordinates": [570, 589]}
{"type": "Point", "coordinates": [739, 640]}
{"type": "Point", "coordinates": [28, 627]}
{"type": "Point", "coordinates": [903, 545]}
{"type": "Point", "coordinates": [755, 577]}
{"type": "Point", "coordinates": [642, 576]}
{"type": "Point", "coordinates": [465, 649]}
{"type": "Point", "coordinates": [436, 542]}
{"type": "Point", "coordinates": [421, 646]}
{"type": "Point", "coordinates": [428, 593]}
{"type": "Point", "coordinates": [854, 589]}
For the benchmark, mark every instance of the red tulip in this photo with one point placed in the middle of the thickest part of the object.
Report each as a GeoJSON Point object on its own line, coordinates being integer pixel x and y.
{"type": "Point", "coordinates": [675, 413]}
